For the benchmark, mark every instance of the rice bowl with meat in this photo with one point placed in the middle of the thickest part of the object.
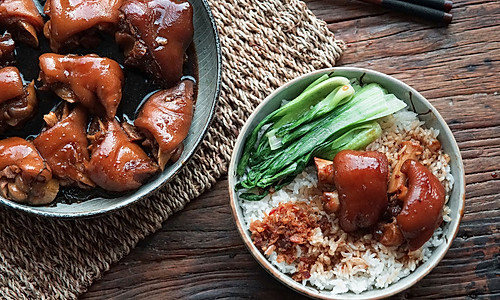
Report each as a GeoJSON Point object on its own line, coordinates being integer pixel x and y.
{"type": "Point", "coordinates": [289, 227]}
{"type": "Point", "coordinates": [356, 263]}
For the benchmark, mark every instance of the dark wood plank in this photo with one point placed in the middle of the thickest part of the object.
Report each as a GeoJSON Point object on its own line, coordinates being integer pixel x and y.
{"type": "Point", "coordinates": [198, 253]}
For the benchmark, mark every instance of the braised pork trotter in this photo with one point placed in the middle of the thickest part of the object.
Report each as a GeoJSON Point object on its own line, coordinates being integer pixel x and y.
{"type": "Point", "coordinates": [22, 19]}
{"type": "Point", "coordinates": [77, 22]}
{"type": "Point", "coordinates": [116, 163]}
{"type": "Point", "coordinates": [423, 204]}
{"type": "Point", "coordinates": [17, 102]}
{"type": "Point", "coordinates": [166, 117]}
{"type": "Point", "coordinates": [361, 181]}
{"type": "Point", "coordinates": [155, 35]}
{"type": "Point", "coordinates": [93, 81]}
{"type": "Point", "coordinates": [63, 143]}
{"type": "Point", "coordinates": [24, 175]}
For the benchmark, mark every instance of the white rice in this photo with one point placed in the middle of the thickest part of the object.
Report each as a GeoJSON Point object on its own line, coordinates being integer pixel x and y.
{"type": "Point", "coordinates": [365, 263]}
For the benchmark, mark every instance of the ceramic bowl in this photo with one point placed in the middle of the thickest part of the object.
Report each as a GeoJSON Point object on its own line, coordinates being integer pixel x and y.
{"type": "Point", "coordinates": [208, 59]}
{"type": "Point", "coordinates": [417, 103]}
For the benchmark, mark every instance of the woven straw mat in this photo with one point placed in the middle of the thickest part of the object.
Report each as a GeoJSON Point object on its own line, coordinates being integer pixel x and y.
{"type": "Point", "coordinates": [264, 44]}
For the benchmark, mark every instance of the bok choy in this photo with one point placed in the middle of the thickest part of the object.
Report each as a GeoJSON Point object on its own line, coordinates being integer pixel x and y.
{"type": "Point", "coordinates": [327, 117]}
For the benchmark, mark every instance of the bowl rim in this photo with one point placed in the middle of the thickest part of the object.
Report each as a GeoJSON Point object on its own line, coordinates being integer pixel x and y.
{"type": "Point", "coordinates": [285, 279]}
{"type": "Point", "coordinates": [32, 210]}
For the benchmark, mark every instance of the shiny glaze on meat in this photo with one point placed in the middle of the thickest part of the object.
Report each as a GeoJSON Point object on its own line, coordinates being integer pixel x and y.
{"type": "Point", "coordinates": [361, 181]}
{"type": "Point", "coordinates": [70, 19]}
{"type": "Point", "coordinates": [22, 19]}
{"type": "Point", "coordinates": [155, 35]}
{"type": "Point", "coordinates": [64, 147]}
{"type": "Point", "coordinates": [17, 103]}
{"type": "Point", "coordinates": [11, 84]}
{"type": "Point", "coordinates": [94, 81]}
{"type": "Point", "coordinates": [117, 164]}
{"type": "Point", "coordinates": [167, 116]}
{"type": "Point", "coordinates": [423, 204]}
{"type": "Point", "coordinates": [15, 10]}
{"type": "Point", "coordinates": [17, 151]}
{"type": "Point", "coordinates": [24, 176]}
{"type": "Point", "coordinates": [7, 50]}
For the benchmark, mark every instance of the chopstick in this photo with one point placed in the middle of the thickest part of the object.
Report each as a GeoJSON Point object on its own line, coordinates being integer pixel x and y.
{"type": "Point", "coordinates": [423, 12]}
{"type": "Point", "coordinates": [444, 5]}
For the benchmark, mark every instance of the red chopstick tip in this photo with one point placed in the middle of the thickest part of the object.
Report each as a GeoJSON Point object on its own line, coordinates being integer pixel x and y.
{"type": "Point", "coordinates": [447, 18]}
{"type": "Point", "coordinates": [448, 5]}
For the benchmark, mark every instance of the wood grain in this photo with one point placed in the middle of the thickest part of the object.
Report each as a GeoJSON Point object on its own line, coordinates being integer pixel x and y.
{"type": "Point", "coordinates": [199, 255]}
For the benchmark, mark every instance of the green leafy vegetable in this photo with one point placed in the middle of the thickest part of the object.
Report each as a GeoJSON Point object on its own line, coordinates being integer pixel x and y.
{"type": "Point", "coordinates": [337, 97]}
{"type": "Point", "coordinates": [330, 115]}
{"type": "Point", "coordinates": [315, 92]}
{"type": "Point", "coordinates": [357, 138]}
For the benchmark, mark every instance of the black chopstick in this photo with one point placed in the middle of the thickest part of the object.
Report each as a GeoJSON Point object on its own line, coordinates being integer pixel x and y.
{"type": "Point", "coordinates": [444, 5]}
{"type": "Point", "coordinates": [423, 12]}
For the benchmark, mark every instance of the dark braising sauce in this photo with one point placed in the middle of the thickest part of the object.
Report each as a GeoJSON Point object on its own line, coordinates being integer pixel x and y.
{"type": "Point", "coordinates": [137, 88]}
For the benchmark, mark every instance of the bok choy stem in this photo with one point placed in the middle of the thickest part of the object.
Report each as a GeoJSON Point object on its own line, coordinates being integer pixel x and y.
{"type": "Point", "coordinates": [357, 138]}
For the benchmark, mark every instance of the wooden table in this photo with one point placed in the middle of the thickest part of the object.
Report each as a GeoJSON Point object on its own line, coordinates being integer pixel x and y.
{"type": "Point", "coordinates": [198, 253]}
